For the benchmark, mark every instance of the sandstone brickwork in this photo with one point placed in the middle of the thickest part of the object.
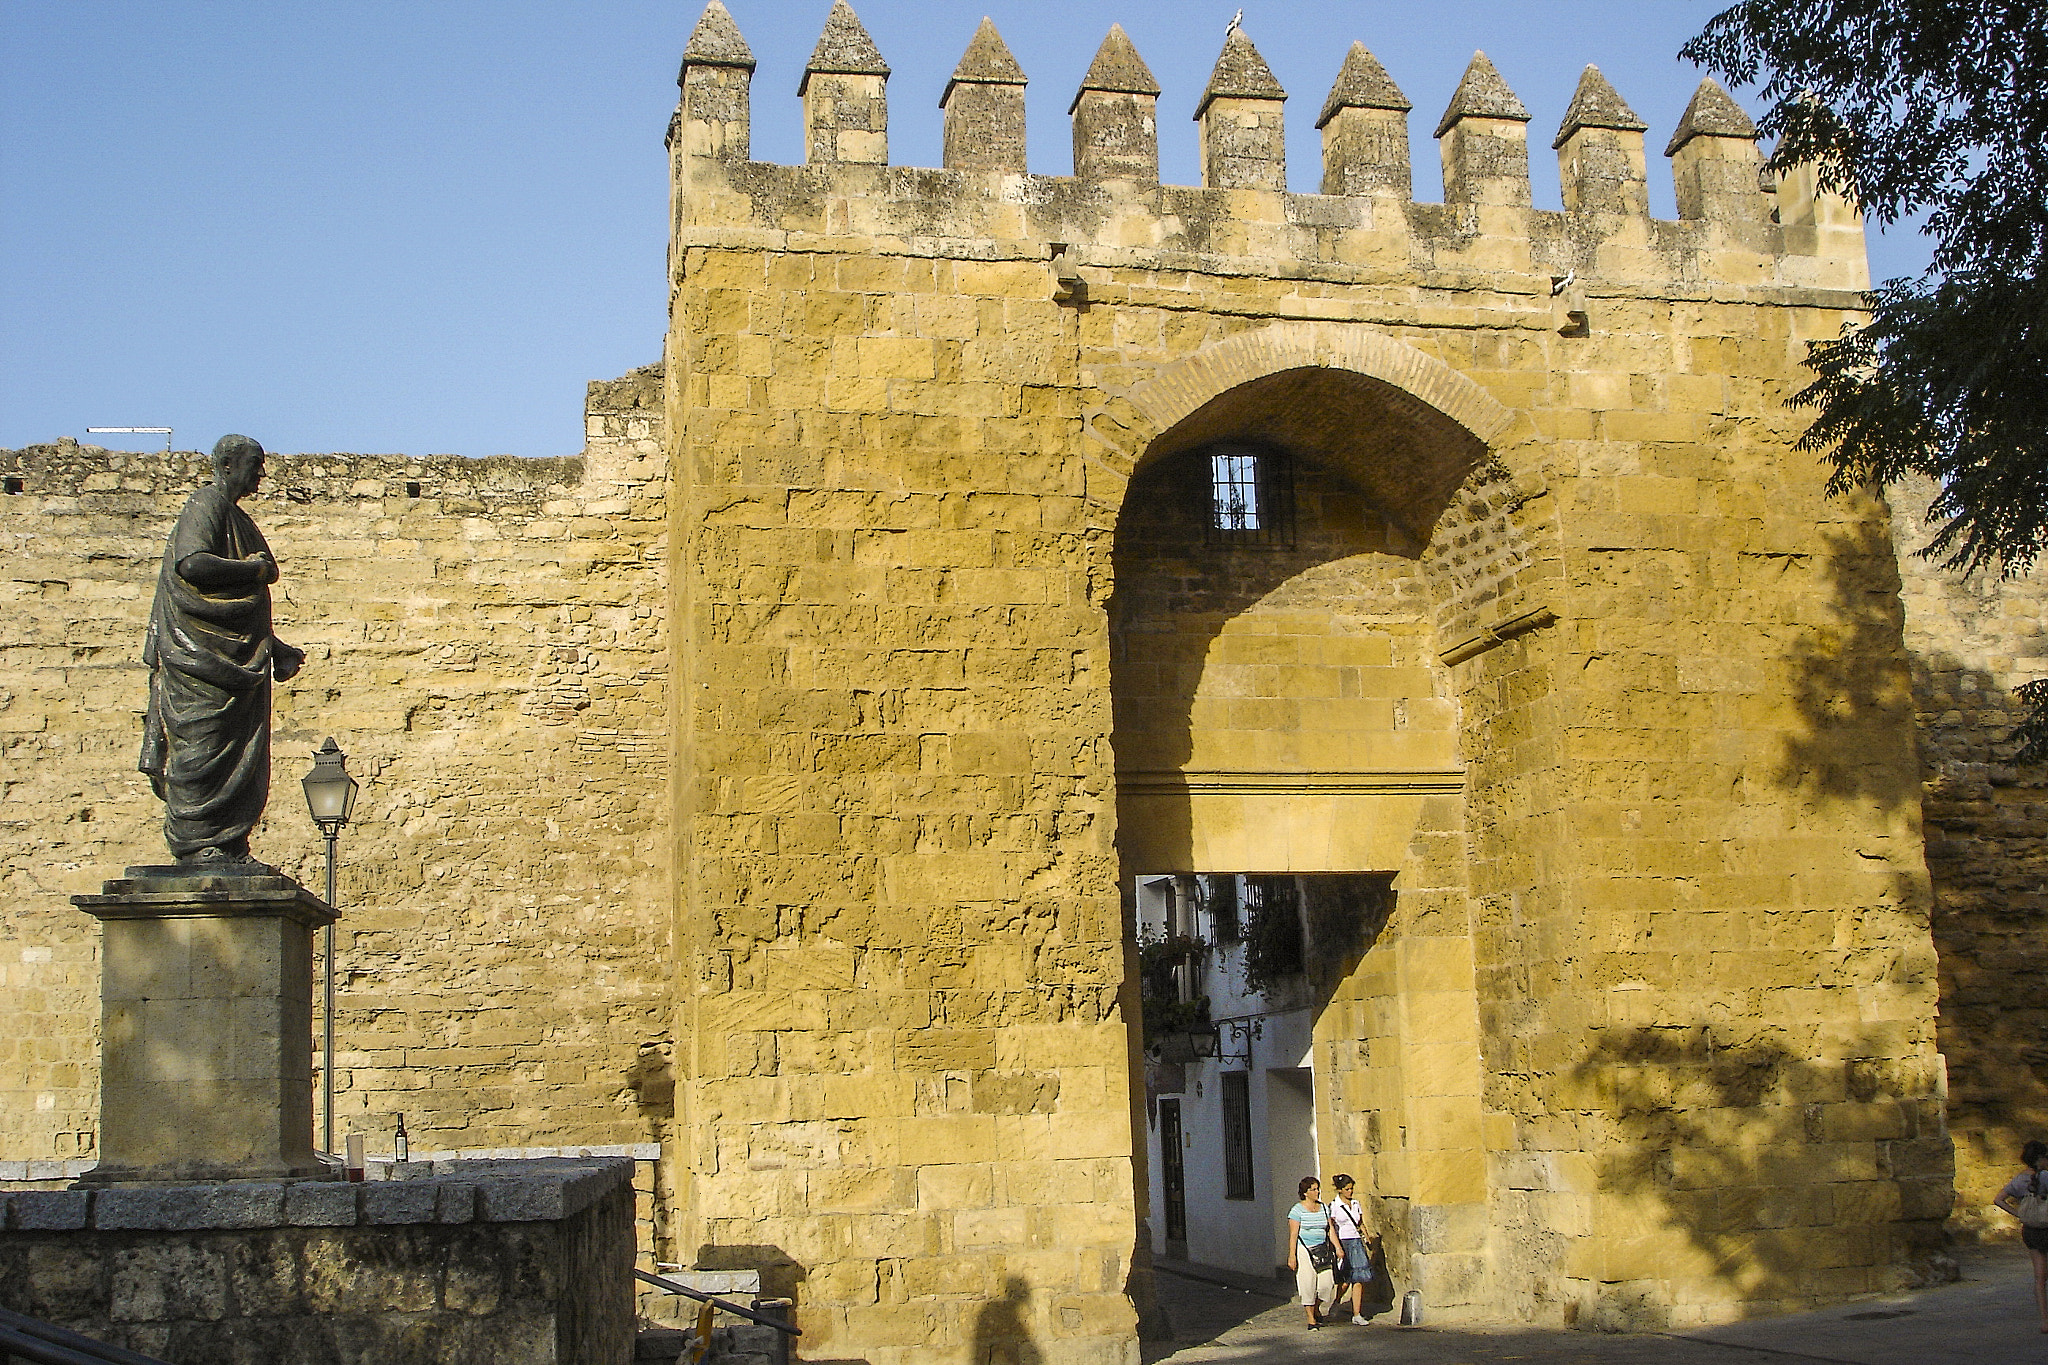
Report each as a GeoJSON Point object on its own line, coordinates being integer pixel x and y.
{"type": "Point", "coordinates": [771, 781]}
{"type": "Point", "coordinates": [481, 1261]}
{"type": "Point", "coordinates": [1648, 1035]}
{"type": "Point", "coordinates": [487, 640]}
{"type": "Point", "coordinates": [1972, 642]}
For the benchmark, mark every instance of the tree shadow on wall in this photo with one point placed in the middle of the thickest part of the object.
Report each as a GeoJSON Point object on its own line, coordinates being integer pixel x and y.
{"type": "Point", "coordinates": [1986, 826]}
{"type": "Point", "coordinates": [1851, 684]}
{"type": "Point", "coordinates": [1790, 1176]}
{"type": "Point", "coordinates": [1882, 723]}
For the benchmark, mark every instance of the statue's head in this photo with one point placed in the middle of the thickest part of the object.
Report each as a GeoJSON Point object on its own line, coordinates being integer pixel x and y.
{"type": "Point", "coordinates": [237, 465]}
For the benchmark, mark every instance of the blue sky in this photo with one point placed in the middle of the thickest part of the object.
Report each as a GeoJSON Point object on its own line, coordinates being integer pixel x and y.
{"type": "Point", "coordinates": [420, 226]}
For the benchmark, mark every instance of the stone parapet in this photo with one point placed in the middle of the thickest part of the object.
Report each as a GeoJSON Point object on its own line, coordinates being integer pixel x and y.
{"type": "Point", "coordinates": [484, 1261]}
{"type": "Point", "coordinates": [543, 1189]}
{"type": "Point", "coordinates": [1365, 219]}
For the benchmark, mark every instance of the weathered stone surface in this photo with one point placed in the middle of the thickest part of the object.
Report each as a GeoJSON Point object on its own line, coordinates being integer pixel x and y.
{"type": "Point", "coordinates": [845, 47]}
{"type": "Point", "coordinates": [1596, 104]}
{"type": "Point", "coordinates": [1362, 83]}
{"type": "Point", "coordinates": [206, 986]}
{"type": "Point", "coordinates": [987, 60]}
{"type": "Point", "coordinates": [1600, 152]}
{"type": "Point", "coordinates": [181, 1207]}
{"type": "Point", "coordinates": [1710, 113]}
{"type": "Point", "coordinates": [1481, 93]}
{"type": "Point", "coordinates": [400, 1201]}
{"type": "Point", "coordinates": [984, 104]}
{"type": "Point", "coordinates": [716, 41]}
{"type": "Point", "coordinates": [1118, 68]}
{"type": "Point", "coordinates": [320, 1204]}
{"type": "Point", "coordinates": [1973, 640]}
{"type": "Point", "coordinates": [202, 1273]}
{"type": "Point", "coordinates": [47, 1210]}
{"type": "Point", "coordinates": [1240, 73]}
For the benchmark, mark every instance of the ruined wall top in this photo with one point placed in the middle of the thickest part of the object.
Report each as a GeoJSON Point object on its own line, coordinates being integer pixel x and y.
{"type": "Point", "coordinates": [1737, 225]}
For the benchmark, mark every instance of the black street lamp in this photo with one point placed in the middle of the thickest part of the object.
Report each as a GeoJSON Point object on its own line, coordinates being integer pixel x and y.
{"type": "Point", "coordinates": [331, 798]}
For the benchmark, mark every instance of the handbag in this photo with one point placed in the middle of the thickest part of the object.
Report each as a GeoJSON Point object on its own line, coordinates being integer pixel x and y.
{"type": "Point", "coordinates": [1323, 1255]}
{"type": "Point", "coordinates": [2033, 1206]}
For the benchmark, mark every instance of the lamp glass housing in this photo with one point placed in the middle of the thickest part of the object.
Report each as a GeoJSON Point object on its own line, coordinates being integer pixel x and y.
{"type": "Point", "coordinates": [330, 791]}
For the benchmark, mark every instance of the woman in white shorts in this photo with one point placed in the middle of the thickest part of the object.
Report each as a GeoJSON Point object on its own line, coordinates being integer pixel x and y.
{"type": "Point", "coordinates": [1308, 1226]}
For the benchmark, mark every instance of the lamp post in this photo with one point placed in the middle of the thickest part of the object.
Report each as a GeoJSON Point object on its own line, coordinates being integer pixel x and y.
{"type": "Point", "coordinates": [330, 797]}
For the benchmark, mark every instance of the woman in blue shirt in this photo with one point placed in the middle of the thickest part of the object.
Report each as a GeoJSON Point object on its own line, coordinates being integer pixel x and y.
{"type": "Point", "coordinates": [1308, 1225]}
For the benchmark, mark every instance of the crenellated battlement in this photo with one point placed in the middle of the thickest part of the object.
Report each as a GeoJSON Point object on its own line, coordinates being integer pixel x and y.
{"type": "Point", "coordinates": [1035, 536]}
{"type": "Point", "coordinates": [1735, 229]}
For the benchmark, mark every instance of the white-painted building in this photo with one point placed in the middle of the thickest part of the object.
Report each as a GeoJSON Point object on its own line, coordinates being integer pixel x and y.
{"type": "Point", "coordinates": [1229, 1135]}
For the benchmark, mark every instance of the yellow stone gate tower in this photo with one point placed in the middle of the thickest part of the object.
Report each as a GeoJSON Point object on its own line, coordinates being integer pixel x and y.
{"type": "Point", "coordinates": [1524, 602]}
{"type": "Point", "coordinates": [769, 793]}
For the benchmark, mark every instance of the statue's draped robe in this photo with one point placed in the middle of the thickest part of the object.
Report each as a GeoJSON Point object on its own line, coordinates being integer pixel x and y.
{"type": "Point", "coordinates": [206, 736]}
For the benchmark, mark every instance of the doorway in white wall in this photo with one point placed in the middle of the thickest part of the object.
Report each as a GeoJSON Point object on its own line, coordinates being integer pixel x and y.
{"type": "Point", "coordinates": [1290, 1146]}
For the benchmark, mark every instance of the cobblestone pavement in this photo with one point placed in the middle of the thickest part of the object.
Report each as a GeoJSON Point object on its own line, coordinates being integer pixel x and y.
{"type": "Point", "coordinates": [1985, 1318]}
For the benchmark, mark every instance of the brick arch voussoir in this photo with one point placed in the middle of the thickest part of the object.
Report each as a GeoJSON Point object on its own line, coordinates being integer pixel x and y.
{"type": "Point", "coordinates": [1130, 421]}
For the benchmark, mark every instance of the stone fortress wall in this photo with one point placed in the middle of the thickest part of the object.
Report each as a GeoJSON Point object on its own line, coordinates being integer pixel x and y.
{"type": "Point", "coordinates": [841, 656]}
{"type": "Point", "coordinates": [1972, 641]}
{"type": "Point", "coordinates": [486, 639]}
{"type": "Point", "coordinates": [1648, 1035]}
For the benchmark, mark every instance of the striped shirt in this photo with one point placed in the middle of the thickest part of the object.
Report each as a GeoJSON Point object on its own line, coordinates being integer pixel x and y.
{"type": "Point", "coordinates": [1315, 1227]}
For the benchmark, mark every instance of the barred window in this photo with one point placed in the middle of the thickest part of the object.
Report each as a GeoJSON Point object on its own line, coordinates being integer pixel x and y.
{"type": "Point", "coordinates": [1251, 497]}
{"type": "Point", "coordinates": [1237, 1135]}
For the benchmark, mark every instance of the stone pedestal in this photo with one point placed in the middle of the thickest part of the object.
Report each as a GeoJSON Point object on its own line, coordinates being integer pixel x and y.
{"type": "Point", "coordinates": [206, 1011]}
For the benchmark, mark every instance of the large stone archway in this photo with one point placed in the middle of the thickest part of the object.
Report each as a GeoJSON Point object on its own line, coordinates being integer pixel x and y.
{"type": "Point", "coordinates": [1443, 419]}
{"type": "Point", "coordinates": [1282, 709]}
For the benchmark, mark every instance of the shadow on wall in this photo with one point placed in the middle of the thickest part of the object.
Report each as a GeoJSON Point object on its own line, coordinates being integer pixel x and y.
{"type": "Point", "coordinates": [1774, 1166]}
{"type": "Point", "coordinates": [781, 1273]}
{"type": "Point", "coordinates": [652, 1081]}
{"type": "Point", "coordinates": [1851, 684]}
{"type": "Point", "coordinates": [1002, 1334]}
{"type": "Point", "coordinates": [1985, 822]}
{"type": "Point", "coordinates": [1987, 854]}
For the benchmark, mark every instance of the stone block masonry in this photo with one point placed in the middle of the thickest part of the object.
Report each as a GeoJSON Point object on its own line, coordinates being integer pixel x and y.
{"type": "Point", "coordinates": [487, 640]}
{"type": "Point", "coordinates": [1972, 642]}
{"type": "Point", "coordinates": [481, 1261]}
{"type": "Point", "coordinates": [1648, 1035]}
{"type": "Point", "coordinates": [769, 782]}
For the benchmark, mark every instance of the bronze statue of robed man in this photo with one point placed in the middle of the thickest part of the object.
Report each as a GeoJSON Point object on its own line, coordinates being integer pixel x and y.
{"type": "Point", "coordinates": [211, 657]}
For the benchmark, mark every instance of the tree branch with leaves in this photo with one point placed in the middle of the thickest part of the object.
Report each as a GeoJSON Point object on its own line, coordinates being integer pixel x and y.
{"type": "Point", "coordinates": [1934, 107]}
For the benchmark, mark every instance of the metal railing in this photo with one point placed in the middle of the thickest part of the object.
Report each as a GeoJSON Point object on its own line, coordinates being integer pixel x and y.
{"type": "Point", "coordinates": [25, 1338]}
{"type": "Point", "coordinates": [726, 1304]}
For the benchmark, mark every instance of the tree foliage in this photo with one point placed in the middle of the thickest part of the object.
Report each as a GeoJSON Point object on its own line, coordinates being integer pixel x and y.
{"type": "Point", "coordinates": [1934, 107]}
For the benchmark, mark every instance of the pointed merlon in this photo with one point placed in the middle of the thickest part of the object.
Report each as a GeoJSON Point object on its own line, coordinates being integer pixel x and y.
{"type": "Point", "coordinates": [1363, 84]}
{"type": "Point", "coordinates": [1117, 68]}
{"type": "Point", "coordinates": [987, 62]}
{"type": "Point", "coordinates": [844, 48]}
{"type": "Point", "coordinates": [1597, 104]}
{"type": "Point", "coordinates": [1482, 94]}
{"type": "Point", "coordinates": [1711, 114]}
{"type": "Point", "coordinates": [716, 41]}
{"type": "Point", "coordinates": [1241, 73]}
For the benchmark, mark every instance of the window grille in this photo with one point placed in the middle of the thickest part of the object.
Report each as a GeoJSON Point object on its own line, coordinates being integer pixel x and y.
{"type": "Point", "coordinates": [1272, 932]}
{"type": "Point", "coordinates": [1251, 497]}
{"type": "Point", "coordinates": [1237, 1135]}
